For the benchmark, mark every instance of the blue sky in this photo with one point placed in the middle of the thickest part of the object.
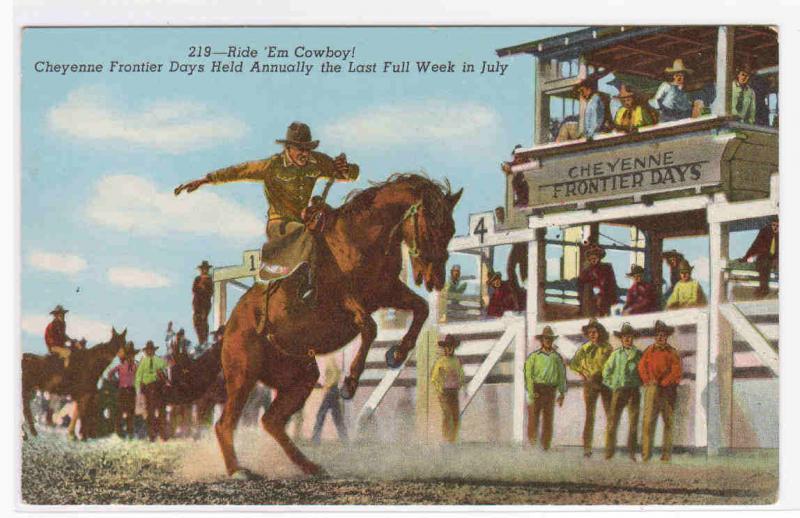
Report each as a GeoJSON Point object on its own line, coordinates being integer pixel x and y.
{"type": "Point", "coordinates": [101, 153]}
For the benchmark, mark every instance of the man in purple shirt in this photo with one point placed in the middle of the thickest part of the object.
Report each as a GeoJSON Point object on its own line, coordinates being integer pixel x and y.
{"type": "Point", "coordinates": [125, 373]}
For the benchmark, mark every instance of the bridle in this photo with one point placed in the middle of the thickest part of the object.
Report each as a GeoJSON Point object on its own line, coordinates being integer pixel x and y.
{"type": "Point", "coordinates": [411, 212]}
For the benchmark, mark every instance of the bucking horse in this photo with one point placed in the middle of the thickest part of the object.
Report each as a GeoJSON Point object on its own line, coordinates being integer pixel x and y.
{"type": "Point", "coordinates": [358, 272]}
{"type": "Point", "coordinates": [79, 380]}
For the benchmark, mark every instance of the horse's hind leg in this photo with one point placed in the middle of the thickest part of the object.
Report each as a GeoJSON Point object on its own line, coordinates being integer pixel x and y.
{"type": "Point", "coordinates": [291, 396]}
{"type": "Point", "coordinates": [26, 411]}
{"type": "Point", "coordinates": [238, 385]}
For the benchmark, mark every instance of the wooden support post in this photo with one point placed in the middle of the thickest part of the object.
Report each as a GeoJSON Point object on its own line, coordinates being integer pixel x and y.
{"type": "Point", "coordinates": [487, 266]}
{"type": "Point", "coordinates": [722, 101]}
{"type": "Point", "coordinates": [220, 303]}
{"type": "Point", "coordinates": [653, 263]}
{"type": "Point", "coordinates": [518, 399]}
{"type": "Point", "coordinates": [541, 103]}
{"type": "Point", "coordinates": [535, 301]}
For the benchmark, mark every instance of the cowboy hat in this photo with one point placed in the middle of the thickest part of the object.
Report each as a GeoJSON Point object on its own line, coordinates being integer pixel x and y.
{"type": "Point", "coordinates": [547, 332]}
{"type": "Point", "coordinates": [59, 310]}
{"type": "Point", "coordinates": [205, 265]}
{"type": "Point", "coordinates": [593, 323]}
{"type": "Point", "coordinates": [624, 91]}
{"type": "Point", "coordinates": [671, 253]}
{"type": "Point", "coordinates": [626, 329]}
{"type": "Point", "coordinates": [662, 327]}
{"type": "Point", "coordinates": [150, 346]}
{"type": "Point", "coordinates": [130, 349]}
{"type": "Point", "coordinates": [299, 134]}
{"type": "Point", "coordinates": [595, 249]}
{"type": "Point", "coordinates": [635, 270]}
{"type": "Point", "coordinates": [685, 266]}
{"type": "Point", "coordinates": [678, 66]}
{"type": "Point", "coordinates": [449, 341]}
{"type": "Point", "coordinates": [493, 276]}
{"type": "Point", "coordinates": [745, 66]}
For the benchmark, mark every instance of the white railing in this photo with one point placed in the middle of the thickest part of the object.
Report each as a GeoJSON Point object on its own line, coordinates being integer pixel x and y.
{"type": "Point", "coordinates": [751, 334]}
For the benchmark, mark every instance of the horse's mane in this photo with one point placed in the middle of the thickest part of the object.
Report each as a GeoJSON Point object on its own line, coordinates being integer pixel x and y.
{"type": "Point", "coordinates": [431, 191]}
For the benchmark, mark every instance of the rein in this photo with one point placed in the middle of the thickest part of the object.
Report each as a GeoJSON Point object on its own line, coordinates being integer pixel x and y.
{"type": "Point", "coordinates": [411, 212]}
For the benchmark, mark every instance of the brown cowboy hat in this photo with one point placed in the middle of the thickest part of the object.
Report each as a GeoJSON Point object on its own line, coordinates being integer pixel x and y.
{"type": "Point", "coordinates": [745, 66]}
{"type": "Point", "coordinates": [130, 349]}
{"type": "Point", "coordinates": [626, 329]}
{"type": "Point", "coordinates": [493, 276]}
{"type": "Point", "coordinates": [449, 341]}
{"type": "Point", "coordinates": [685, 266]}
{"type": "Point", "coordinates": [59, 310]}
{"type": "Point", "coordinates": [661, 326]}
{"type": "Point", "coordinates": [205, 265]}
{"type": "Point", "coordinates": [678, 66]}
{"type": "Point", "coordinates": [595, 249]}
{"type": "Point", "coordinates": [624, 91]}
{"type": "Point", "coordinates": [150, 346]}
{"type": "Point", "coordinates": [635, 270]}
{"type": "Point", "coordinates": [671, 253]}
{"type": "Point", "coordinates": [593, 323]}
{"type": "Point", "coordinates": [547, 332]}
{"type": "Point", "coordinates": [299, 134]}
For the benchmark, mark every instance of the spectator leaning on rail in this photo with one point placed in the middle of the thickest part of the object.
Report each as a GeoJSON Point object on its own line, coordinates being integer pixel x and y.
{"type": "Point", "coordinates": [632, 114]}
{"type": "Point", "coordinates": [660, 371]}
{"type": "Point", "coordinates": [588, 362]}
{"type": "Point", "coordinates": [687, 293]}
{"type": "Point", "coordinates": [641, 296]}
{"type": "Point", "coordinates": [544, 375]}
{"type": "Point", "coordinates": [504, 297]}
{"type": "Point", "coordinates": [743, 98]}
{"type": "Point", "coordinates": [447, 378]}
{"type": "Point", "coordinates": [621, 375]}
{"type": "Point", "coordinates": [455, 286]}
{"type": "Point", "coordinates": [671, 99]}
{"type": "Point", "coordinates": [765, 249]}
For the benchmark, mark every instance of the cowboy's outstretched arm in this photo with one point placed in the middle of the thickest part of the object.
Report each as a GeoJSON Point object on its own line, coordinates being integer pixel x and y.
{"type": "Point", "coordinates": [247, 171]}
{"type": "Point", "coordinates": [337, 168]}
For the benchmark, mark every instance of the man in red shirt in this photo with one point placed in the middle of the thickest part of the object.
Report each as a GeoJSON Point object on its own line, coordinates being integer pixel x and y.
{"type": "Point", "coordinates": [597, 285]}
{"type": "Point", "coordinates": [660, 371]}
{"type": "Point", "coordinates": [202, 291]}
{"type": "Point", "coordinates": [641, 296]}
{"type": "Point", "coordinates": [765, 250]}
{"type": "Point", "coordinates": [504, 297]}
{"type": "Point", "coordinates": [55, 335]}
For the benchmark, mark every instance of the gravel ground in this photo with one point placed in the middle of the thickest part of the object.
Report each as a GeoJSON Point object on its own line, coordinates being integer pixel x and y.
{"type": "Point", "coordinates": [112, 471]}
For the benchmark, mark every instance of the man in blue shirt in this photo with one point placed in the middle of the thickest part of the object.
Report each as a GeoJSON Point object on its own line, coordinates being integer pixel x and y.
{"type": "Point", "coordinates": [671, 99]}
{"type": "Point", "coordinates": [594, 116]}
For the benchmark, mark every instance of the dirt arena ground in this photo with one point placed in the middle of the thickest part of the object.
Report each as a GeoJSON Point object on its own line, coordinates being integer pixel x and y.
{"type": "Point", "coordinates": [113, 471]}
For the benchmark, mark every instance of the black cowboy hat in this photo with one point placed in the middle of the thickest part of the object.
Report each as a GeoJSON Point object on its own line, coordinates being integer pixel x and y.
{"type": "Point", "coordinates": [131, 350]}
{"type": "Point", "coordinates": [593, 323]}
{"type": "Point", "coordinates": [493, 276]}
{"type": "Point", "coordinates": [661, 326]}
{"type": "Point", "coordinates": [299, 134]}
{"type": "Point", "coordinates": [150, 346]}
{"type": "Point", "coordinates": [547, 332]}
{"type": "Point", "coordinates": [635, 270]}
{"type": "Point", "coordinates": [449, 341]}
{"type": "Point", "coordinates": [205, 265]}
{"type": "Point", "coordinates": [59, 310]}
{"type": "Point", "coordinates": [626, 329]}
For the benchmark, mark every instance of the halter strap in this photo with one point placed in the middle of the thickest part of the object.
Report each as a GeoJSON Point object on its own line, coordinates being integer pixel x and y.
{"type": "Point", "coordinates": [411, 212]}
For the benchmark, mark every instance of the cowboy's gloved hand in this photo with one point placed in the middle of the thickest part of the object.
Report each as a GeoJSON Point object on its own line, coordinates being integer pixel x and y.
{"type": "Point", "coordinates": [340, 164]}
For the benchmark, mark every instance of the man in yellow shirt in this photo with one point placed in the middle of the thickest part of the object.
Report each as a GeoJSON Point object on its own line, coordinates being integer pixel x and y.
{"type": "Point", "coordinates": [687, 292]}
{"type": "Point", "coordinates": [447, 377]}
{"type": "Point", "coordinates": [632, 114]}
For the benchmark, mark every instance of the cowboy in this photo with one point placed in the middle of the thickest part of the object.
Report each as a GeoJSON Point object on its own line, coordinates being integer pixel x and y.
{"type": "Point", "coordinates": [673, 259]}
{"type": "Point", "coordinates": [125, 374]}
{"type": "Point", "coordinates": [331, 401]}
{"type": "Point", "coordinates": [641, 296]}
{"type": "Point", "coordinates": [455, 285]}
{"type": "Point", "coordinates": [447, 377]}
{"type": "Point", "coordinates": [588, 362]}
{"type": "Point", "coordinates": [600, 279]}
{"type": "Point", "coordinates": [149, 378]}
{"type": "Point", "coordinates": [743, 97]}
{"type": "Point", "coordinates": [660, 371]}
{"type": "Point", "coordinates": [621, 375]}
{"type": "Point", "coordinates": [687, 293]}
{"type": "Point", "coordinates": [594, 113]}
{"type": "Point", "coordinates": [202, 290]}
{"type": "Point", "coordinates": [289, 178]}
{"type": "Point", "coordinates": [632, 114]}
{"type": "Point", "coordinates": [671, 99]}
{"type": "Point", "coordinates": [765, 249]}
{"type": "Point", "coordinates": [504, 296]}
{"type": "Point", "coordinates": [55, 335]}
{"type": "Point", "coordinates": [544, 374]}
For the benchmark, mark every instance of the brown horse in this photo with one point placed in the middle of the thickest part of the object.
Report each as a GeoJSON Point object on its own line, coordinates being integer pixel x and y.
{"type": "Point", "coordinates": [79, 380]}
{"type": "Point", "coordinates": [359, 261]}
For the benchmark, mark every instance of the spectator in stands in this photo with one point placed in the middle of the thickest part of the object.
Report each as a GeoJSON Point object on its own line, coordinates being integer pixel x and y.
{"type": "Point", "coordinates": [671, 99]}
{"type": "Point", "coordinates": [743, 98]}
{"type": "Point", "coordinates": [455, 285]}
{"type": "Point", "coordinates": [500, 215]}
{"type": "Point", "coordinates": [594, 113]}
{"type": "Point", "coordinates": [504, 296]}
{"type": "Point", "coordinates": [150, 376]}
{"type": "Point", "coordinates": [660, 371]}
{"type": "Point", "coordinates": [687, 293]}
{"type": "Point", "coordinates": [621, 375]}
{"type": "Point", "coordinates": [641, 296]}
{"type": "Point", "coordinates": [544, 375]}
{"type": "Point", "coordinates": [597, 284]}
{"type": "Point", "coordinates": [447, 378]}
{"type": "Point", "coordinates": [633, 113]}
{"type": "Point", "coordinates": [515, 160]}
{"type": "Point", "coordinates": [331, 400]}
{"type": "Point", "coordinates": [765, 249]}
{"type": "Point", "coordinates": [125, 375]}
{"type": "Point", "coordinates": [673, 258]}
{"type": "Point", "coordinates": [588, 362]}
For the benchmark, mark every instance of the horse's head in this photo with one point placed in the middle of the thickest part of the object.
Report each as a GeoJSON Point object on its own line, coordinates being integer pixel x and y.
{"type": "Point", "coordinates": [427, 230]}
{"type": "Point", "coordinates": [117, 342]}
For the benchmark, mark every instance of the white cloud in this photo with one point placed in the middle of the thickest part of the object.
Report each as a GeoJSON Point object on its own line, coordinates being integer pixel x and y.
{"type": "Point", "coordinates": [93, 330]}
{"type": "Point", "coordinates": [53, 262]}
{"type": "Point", "coordinates": [701, 267]}
{"type": "Point", "coordinates": [130, 277]}
{"type": "Point", "coordinates": [171, 126]}
{"type": "Point", "coordinates": [134, 204]}
{"type": "Point", "coordinates": [414, 122]}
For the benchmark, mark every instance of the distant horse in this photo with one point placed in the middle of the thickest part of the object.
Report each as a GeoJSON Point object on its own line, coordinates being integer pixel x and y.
{"type": "Point", "coordinates": [79, 380]}
{"type": "Point", "coordinates": [359, 263]}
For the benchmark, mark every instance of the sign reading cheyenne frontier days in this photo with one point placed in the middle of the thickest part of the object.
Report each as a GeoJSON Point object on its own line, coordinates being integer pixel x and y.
{"type": "Point", "coordinates": [687, 162]}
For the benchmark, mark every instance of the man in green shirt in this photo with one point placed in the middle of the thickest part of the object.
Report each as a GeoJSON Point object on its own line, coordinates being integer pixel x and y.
{"type": "Point", "coordinates": [288, 180]}
{"type": "Point", "coordinates": [447, 377]}
{"type": "Point", "coordinates": [743, 98]}
{"type": "Point", "coordinates": [589, 362]}
{"type": "Point", "coordinates": [544, 374]}
{"type": "Point", "coordinates": [621, 375]}
{"type": "Point", "coordinates": [150, 376]}
{"type": "Point", "coordinates": [687, 292]}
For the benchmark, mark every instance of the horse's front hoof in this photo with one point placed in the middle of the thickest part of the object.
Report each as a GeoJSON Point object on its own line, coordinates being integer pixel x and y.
{"type": "Point", "coordinates": [391, 358]}
{"type": "Point", "coordinates": [242, 474]}
{"type": "Point", "coordinates": [314, 470]}
{"type": "Point", "coordinates": [348, 389]}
